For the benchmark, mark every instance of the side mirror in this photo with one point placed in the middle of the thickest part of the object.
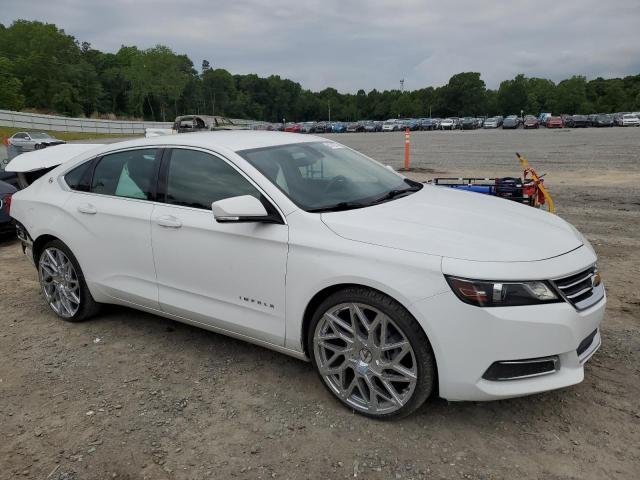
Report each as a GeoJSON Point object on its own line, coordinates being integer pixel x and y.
{"type": "Point", "coordinates": [244, 208]}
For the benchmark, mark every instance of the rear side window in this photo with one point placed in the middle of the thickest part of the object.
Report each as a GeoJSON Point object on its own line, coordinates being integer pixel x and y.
{"type": "Point", "coordinates": [80, 177]}
{"type": "Point", "coordinates": [197, 179]}
{"type": "Point", "coordinates": [129, 174]}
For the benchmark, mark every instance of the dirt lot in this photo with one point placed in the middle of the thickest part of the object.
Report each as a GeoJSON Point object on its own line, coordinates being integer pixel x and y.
{"type": "Point", "coordinates": [131, 395]}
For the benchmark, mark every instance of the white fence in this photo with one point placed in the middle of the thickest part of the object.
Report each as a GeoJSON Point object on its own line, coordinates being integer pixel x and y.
{"type": "Point", "coordinates": [35, 121]}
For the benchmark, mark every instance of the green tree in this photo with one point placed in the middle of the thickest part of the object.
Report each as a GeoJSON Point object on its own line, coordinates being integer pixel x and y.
{"type": "Point", "coordinates": [512, 95]}
{"type": "Point", "coordinates": [463, 95]}
{"type": "Point", "coordinates": [11, 97]}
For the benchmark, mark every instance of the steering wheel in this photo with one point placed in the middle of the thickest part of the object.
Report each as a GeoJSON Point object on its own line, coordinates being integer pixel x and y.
{"type": "Point", "coordinates": [334, 182]}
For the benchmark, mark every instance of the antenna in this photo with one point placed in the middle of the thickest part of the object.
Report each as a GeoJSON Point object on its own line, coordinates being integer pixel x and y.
{"type": "Point", "coordinates": [402, 84]}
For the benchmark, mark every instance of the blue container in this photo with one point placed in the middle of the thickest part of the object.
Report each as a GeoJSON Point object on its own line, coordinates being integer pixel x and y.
{"type": "Point", "coordinates": [486, 189]}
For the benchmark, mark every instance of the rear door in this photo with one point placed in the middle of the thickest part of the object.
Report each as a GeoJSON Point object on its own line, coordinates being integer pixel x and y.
{"type": "Point", "coordinates": [113, 243]}
{"type": "Point", "coordinates": [227, 275]}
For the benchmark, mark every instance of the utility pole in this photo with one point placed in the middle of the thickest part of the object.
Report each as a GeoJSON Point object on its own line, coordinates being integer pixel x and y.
{"type": "Point", "coordinates": [329, 107]}
{"type": "Point", "coordinates": [402, 85]}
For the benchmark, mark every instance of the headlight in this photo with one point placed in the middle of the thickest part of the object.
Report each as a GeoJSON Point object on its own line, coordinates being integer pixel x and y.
{"type": "Point", "coordinates": [482, 293]}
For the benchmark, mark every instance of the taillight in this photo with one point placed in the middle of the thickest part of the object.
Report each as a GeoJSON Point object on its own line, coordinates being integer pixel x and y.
{"type": "Point", "coordinates": [6, 204]}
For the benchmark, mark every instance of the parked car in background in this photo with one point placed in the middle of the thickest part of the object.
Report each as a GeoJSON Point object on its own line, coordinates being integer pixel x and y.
{"type": "Point", "coordinates": [293, 128]}
{"type": "Point", "coordinates": [576, 121]}
{"type": "Point", "coordinates": [308, 127]}
{"type": "Point", "coordinates": [203, 123]}
{"type": "Point", "coordinates": [542, 118]}
{"type": "Point", "coordinates": [427, 124]}
{"type": "Point", "coordinates": [355, 127]}
{"type": "Point", "coordinates": [29, 141]}
{"type": "Point", "coordinates": [530, 122]}
{"type": "Point", "coordinates": [372, 126]}
{"type": "Point", "coordinates": [554, 122]}
{"type": "Point", "coordinates": [630, 120]}
{"type": "Point", "coordinates": [511, 122]}
{"type": "Point", "coordinates": [9, 177]}
{"type": "Point", "coordinates": [491, 122]}
{"type": "Point", "coordinates": [468, 123]}
{"type": "Point", "coordinates": [6, 224]}
{"type": "Point", "coordinates": [479, 122]}
{"type": "Point", "coordinates": [447, 124]}
{"type": "Point", "coordinates": [322, 127]}
{"type": "Point", "coordinates": [603, 120]}
{"type": "Point", "coordinates": [391, 125]}
{"type": "Point", "coordinates": [338, 127]}
{"type": "Point", "coordinates": [617, 118]}
{"type": "Point", "coordinates": [301, 245]}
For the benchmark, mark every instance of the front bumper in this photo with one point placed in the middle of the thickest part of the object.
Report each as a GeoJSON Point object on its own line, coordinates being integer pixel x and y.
{"type": "Point", "coordinates": [467, 340]}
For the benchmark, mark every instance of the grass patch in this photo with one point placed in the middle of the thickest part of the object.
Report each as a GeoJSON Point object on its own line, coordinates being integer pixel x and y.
{"type": "Point", "coordinates": [66, 136]}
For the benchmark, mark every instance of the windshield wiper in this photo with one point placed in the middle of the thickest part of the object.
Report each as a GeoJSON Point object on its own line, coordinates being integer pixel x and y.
{"type": "Point", "coordinates": [390, 195]}
{"type": "Point", "coordinates": [338, 207]}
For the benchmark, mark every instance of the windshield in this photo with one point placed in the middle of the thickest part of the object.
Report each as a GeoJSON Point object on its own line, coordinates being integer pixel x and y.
{"type": "Point", "coordinates": [39, 135]}
{"type": "Point", "coordinates": [325, 176]}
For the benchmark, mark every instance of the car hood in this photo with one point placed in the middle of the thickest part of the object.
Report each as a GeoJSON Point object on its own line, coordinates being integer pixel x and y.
{"type": "Point", "coordinates": [457, 224]}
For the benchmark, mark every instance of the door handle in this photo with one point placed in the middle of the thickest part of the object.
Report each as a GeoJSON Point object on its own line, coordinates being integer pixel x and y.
{"type": "Point", "coordinates": [87, 208]}
{"type": "Point", "coordinates": [168, 221]}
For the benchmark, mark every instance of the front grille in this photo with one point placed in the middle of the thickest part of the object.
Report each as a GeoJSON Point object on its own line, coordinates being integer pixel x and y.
{"type": "Point", "coordinates": [579, 289]}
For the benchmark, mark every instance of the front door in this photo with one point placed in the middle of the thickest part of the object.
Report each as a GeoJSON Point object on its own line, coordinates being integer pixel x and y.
{"type": "Point", "coordinates": [228, 275]}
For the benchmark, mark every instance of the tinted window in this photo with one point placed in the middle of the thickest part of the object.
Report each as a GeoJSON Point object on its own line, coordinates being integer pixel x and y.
{"type": "Point", "coordinates": [197, 179]}
{"type": "Point", "coordinates": [80, 177]}
{"type": "Point", "coordinates": [128, 174]}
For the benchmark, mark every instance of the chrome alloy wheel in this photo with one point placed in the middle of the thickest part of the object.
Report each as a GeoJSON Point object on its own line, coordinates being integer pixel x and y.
{"type": "Point", "coordinates": [59, 282]}
{"type": "Point", "coordinates": [365, 358]}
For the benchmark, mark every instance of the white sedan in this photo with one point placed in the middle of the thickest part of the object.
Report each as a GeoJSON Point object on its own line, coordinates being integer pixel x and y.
{"type": "Point", "coordinates": [630, 120]}
{"type": "Point", "coordinates": [394, 290]}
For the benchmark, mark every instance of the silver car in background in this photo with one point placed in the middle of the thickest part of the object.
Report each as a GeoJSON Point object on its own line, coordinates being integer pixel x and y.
{"type": "Point", "coordinates": [28, 141]}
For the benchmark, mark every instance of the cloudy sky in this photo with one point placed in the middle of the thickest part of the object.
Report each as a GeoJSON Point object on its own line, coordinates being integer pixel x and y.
{"type": "Point", "coordinates": [352, 44]}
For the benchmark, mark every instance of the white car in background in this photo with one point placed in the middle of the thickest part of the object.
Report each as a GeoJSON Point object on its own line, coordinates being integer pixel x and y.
{"type": "Point", "coordinates": [447, 124]}
{"type": "Point", "coordinates": [630, 120]}
{"type": "Point", "coordinates": [491, 123]}
{"type": "Point", "coordinates": [392, 289]}
{"type": "Point", "coordinates": [391, 125]}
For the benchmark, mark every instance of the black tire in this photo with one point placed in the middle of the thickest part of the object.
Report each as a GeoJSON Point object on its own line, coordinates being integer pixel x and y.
{"type": "Point", "coordinates": [88, 307]}
{"type": "Point", "coordinates": [426, 366]}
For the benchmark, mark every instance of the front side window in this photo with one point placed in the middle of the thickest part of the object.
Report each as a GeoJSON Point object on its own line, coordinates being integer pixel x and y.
{"type": "Point", "coordinates": [321, 176]}
{"type": "Point", "coordinates": [197, 179]}
{"type": "Point", "coordinates": [129, 174]}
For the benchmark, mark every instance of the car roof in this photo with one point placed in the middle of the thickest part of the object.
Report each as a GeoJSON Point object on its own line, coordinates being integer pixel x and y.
{"type": "Point", "coordinates": [234, 140]}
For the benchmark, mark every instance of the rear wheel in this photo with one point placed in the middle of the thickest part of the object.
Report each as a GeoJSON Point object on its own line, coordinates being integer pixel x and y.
{"type": "Point", "coordinates": [371, 353]}
{"type": "Point", "coordinates": [63, 284]}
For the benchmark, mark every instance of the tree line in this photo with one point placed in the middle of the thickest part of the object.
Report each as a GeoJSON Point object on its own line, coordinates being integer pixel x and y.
{"type": "Point", "coordinates": [42, 68]}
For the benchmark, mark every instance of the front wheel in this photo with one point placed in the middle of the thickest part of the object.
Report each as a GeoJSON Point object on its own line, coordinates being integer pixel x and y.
{"type": "Point", "coordinates": [63, 285]}
{"type": "Point", "coordinates": [371, 353]}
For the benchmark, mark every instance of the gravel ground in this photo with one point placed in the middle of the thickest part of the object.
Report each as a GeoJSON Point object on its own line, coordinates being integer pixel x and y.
{"type": "Point", "coordinates": [130, 395]}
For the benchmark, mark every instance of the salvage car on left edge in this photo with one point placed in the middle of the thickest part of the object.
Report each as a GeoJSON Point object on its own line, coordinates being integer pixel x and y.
{"type": "Point", "coordinates": [6, 192]}
{"type": "Point", "coordinates": [393, 289]}
{"type": "Point", "coordinates": [28, 141]}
